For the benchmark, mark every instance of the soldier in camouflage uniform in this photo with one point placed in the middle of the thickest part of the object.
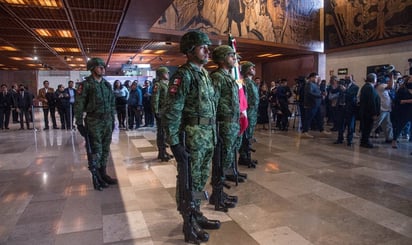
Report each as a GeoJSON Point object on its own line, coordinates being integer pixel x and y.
{"type": "Point", "coordinates": [252, 93]}
{"type": "Point", "coordinates": [159, 97]}
{"type": "Point", "coordinates": [191, 107]}
{"type": "Point", "coordinates": [95, 97]}
{"type": "Point", "coordinates": [227, 114]}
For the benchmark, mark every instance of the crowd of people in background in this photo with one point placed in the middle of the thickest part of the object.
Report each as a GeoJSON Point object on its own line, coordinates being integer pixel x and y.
{"type": "Point", "coordinates": [17, 105]}
{"type": "Point", "coordinates": [383, 106]}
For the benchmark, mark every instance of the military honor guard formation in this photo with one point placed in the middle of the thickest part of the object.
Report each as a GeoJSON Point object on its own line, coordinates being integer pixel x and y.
{"type": "Point", "coordinates": [208, 120]}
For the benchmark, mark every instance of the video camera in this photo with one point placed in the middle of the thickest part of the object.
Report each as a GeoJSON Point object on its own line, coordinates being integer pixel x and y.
{"type": "Point", "coordinates": [384, 73]}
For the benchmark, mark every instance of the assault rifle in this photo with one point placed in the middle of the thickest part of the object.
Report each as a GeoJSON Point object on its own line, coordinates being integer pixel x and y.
{"type": "Point", "coordinates": [98, 182]}
{"type": "Point", "coordinates": [187, 197]}
{"type": "Point", "coordinates": [218, 176]}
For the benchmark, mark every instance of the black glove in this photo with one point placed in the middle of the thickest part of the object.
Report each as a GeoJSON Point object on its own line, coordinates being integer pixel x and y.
{"type": "Point", "coordinates": [180, 153]}
{"type": "Point", "coordinates": [82, 130]}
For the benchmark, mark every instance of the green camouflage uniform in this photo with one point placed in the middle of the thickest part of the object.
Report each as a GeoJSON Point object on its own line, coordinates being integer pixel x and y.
{"type": "Point", "coordinates": [252, 94]}
{"type": "Point", "coordinates": [159, 100]}
{"type": "Point", "coordinates": [97, 100]}
{"type": "Point", "coordinates": [191, 107]}
{"type": "Point", "coordinates": [227, 114]}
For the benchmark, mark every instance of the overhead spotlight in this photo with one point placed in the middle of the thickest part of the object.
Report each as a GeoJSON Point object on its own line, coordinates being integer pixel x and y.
{"type": "Point", "coordinates": [35, 58]}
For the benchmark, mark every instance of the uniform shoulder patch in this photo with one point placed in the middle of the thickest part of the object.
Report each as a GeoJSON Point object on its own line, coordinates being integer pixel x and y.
{"type": "Point", "coordinates": [175, 85]}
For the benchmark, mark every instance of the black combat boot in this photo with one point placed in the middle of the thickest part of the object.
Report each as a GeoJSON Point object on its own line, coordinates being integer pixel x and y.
{"type": "Point", "coordinates": [247, 162]}
{"type": "Point", "coordinates": [196, 234]}
{"type": "Point", "coordinates": [206, 223]}
{"type": "Point", "coordinates": [106, 178]}
{"type": "Point", "coordinates": [163, 156]}
{"type": "Point", "coordinates": [234, 178]}
{"type": "Point", "coordinates": [97, 184]}
{"type": "Point", "coordinates": [224, 203]}
{"type": "Point", "coordinates": [229, 197]}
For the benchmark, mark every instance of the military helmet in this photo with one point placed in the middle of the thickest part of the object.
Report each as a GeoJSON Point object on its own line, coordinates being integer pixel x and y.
{"type": "Point", "coordinates": [220, 53]}
{"type": "Point", "coordinates": [93, 62]}
{"type": "Point", "coordinates": [192, 39]}
{"type": "Point", "coordinates": [245, 67]}
{"type": "Point", "coordinates": [161, 70]}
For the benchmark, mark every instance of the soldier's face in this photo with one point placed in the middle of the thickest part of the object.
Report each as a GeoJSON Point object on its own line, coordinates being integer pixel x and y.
{"type": "Point", "coordinates": [252, 71]}
{"type": "Point", "coordinates": [99, 71]}
{"type": "Point", "coordinates": [201, 54]}
{"type": "Point", "coordinates": [230, 60]}
{"type": "Point", "coordinates": [165, 75]}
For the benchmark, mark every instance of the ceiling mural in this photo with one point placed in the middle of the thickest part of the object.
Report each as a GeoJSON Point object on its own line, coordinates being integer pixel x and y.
{"type": "Point", "coordinates": [294, 23]}
{"type": "Point", "coordinates": [349, 22]}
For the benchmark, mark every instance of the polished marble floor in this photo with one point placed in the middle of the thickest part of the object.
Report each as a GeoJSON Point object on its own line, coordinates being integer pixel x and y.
{"type": "Point", "coordinates": [303, 191]}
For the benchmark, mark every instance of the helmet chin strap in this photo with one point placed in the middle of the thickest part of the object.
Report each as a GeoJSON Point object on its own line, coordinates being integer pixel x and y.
{"type": "Point", "coordinates": [196, 59]}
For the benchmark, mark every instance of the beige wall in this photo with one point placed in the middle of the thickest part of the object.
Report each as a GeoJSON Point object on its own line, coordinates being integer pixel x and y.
{"type": "Point", "coordinates": [358, 59]}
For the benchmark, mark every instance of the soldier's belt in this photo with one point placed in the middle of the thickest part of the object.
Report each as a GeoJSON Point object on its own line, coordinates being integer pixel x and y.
{"type": "Point", "coordinates": [228, 119]}
{"type": "Point", "coordinates": [100, 116]}
{"type": "Point", "coordinates": [200, 121]}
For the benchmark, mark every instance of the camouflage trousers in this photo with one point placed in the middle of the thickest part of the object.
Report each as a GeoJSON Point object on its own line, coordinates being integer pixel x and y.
{"type": "Point", "coordinates": [228, 132]}
{"type": "Point", "coordinates": [100, 133]}
{"type": "Point", "coordinates": [200, 142]}
{"type": "Point", "coordinates": [248, 135]}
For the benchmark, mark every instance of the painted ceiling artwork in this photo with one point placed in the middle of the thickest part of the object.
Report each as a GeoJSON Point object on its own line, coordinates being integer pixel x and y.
{"type": "Point", "coordinates": [356, 22]}
{"type": "Point", "coordinates": [288, 22]}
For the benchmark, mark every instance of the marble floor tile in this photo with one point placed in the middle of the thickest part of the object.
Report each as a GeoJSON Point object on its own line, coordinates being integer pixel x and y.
{"type": "Point", "coordinates": [390, 176]}
{"type": "Point", "coordinates": [34, 233]}
{"type": "Point", "coordinates": [303, 191]}
{"type": "Point", "coordinates": [92, 237]}
{"type": "Point", "coordinates": [151, 155]}
{"type": "Point", "coordinates": [388, 218]}
{"type": "Point", "coordinates": [166, 174]}
{"type": "Point", "coordinates": [14, 161]}
{"type": "Point", "coordinates": [279, 236]}
{"type": "Point", "coordinates": [124, 226]}
{"type": "Point", "coordinates": [7, 226]}
{"type": "Point", "coordinates": [81, 212]}
{"type": "Point", "coordinates": [139, 143]}
{"type": "Point", "coordinates": [156, 198]}
{"type": "Point", "coordinates": [144, 179]}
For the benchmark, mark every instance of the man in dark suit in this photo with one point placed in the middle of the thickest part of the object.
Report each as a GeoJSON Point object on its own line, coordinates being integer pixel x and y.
{"type": "Point", "coordinates": [6, 103]}
{"type": "Point", "coordinates": [369, 109]}
{"type": "Point", "coordinates": [71, 91]}
{"type": "Point", "coordinates": [24, 104]}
